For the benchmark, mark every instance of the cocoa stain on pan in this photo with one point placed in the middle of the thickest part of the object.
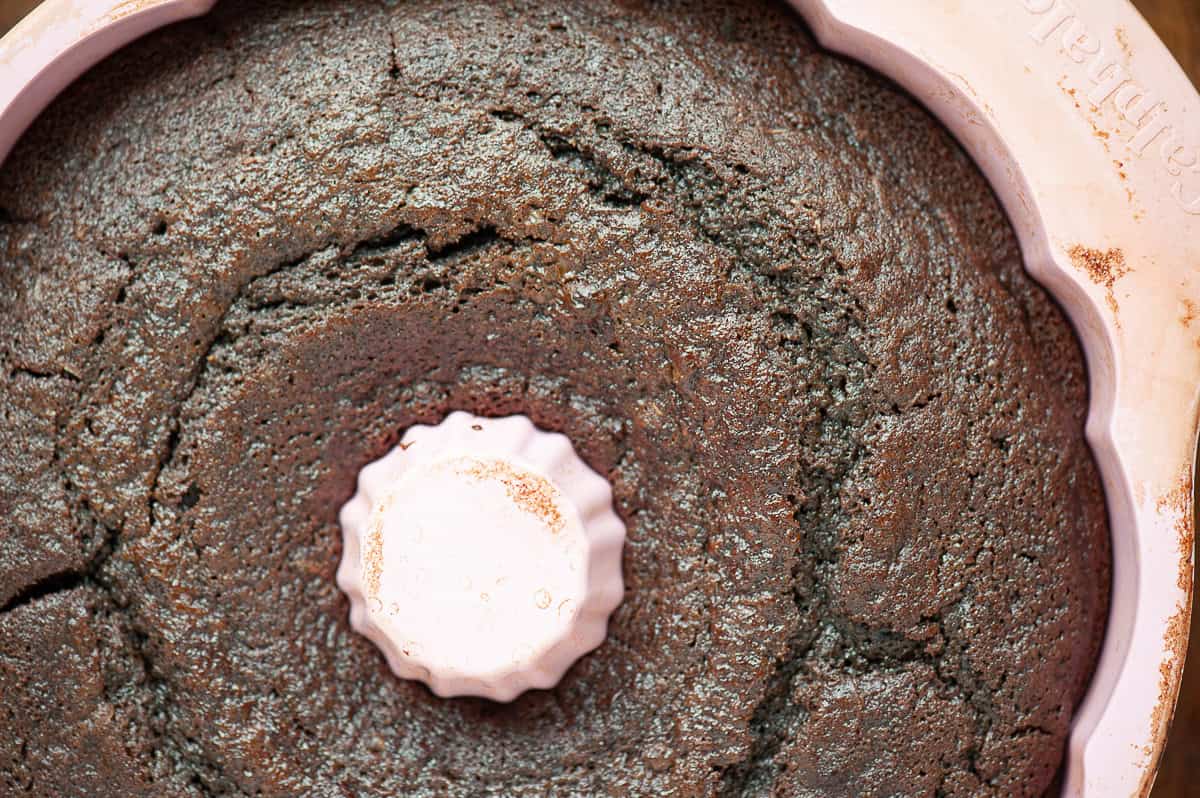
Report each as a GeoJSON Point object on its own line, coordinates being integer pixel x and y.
{"type": "Point", "coordinates": [1097, 131]}
{"type": "Point", "coordinates": [1103, 137]}
{"type": "Point", "coordinates": [1123, 40]}
{"type": "Point", "coordinates": [1189, 313]}
{"type": "Point", "coordinates": [1103, 266]}
{"type": "Point", "coordinates": [1074, 95]}
{"type": "Point", "coordinates": [1175, 637]}
{"type": "Point", "coordinates": [1178, 501]}
{"type": "Point", "coordinates": [1170, 671]}
{"type": "Point", "coordinates": [530, 492]}
{"type": "Point", "coordinates": [373, 559]}
{"type": "Point", "coordinates": [1121, 173]}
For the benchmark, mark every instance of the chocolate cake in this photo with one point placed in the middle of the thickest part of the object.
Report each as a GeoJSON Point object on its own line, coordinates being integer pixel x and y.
{"type": "Point", "coordinates": [761, 291]}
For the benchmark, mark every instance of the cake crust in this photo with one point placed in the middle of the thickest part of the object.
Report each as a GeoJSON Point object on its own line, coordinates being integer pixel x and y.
{"type": "Point", "coordinates": [760, 290]}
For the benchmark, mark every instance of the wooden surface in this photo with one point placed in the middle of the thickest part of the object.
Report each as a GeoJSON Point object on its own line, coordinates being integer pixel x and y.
{"type": "Point", "coordinates": [12, 10]}
{"type": "Point", "coordinates": [1178, 23]}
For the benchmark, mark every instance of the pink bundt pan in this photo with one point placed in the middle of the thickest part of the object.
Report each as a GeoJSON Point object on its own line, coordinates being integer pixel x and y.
{"type": "Point", "coordinates": [1090, 134]}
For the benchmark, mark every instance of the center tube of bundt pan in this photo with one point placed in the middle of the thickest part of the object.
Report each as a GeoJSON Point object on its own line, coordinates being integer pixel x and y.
{"type": "Point", "coordinates": [482, 556]}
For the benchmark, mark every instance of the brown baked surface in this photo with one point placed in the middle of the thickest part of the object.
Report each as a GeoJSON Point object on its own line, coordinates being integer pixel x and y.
{"type": "Point", "coordinates": [759, 289]}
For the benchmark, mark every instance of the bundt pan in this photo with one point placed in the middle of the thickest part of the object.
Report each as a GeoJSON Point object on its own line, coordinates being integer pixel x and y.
{"type": "Point", "coordinates": [1090, 134]}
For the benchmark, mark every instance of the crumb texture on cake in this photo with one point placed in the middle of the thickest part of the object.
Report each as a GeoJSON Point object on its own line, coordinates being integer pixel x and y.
{"type": "Point", "coordinates": [762, 292]}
